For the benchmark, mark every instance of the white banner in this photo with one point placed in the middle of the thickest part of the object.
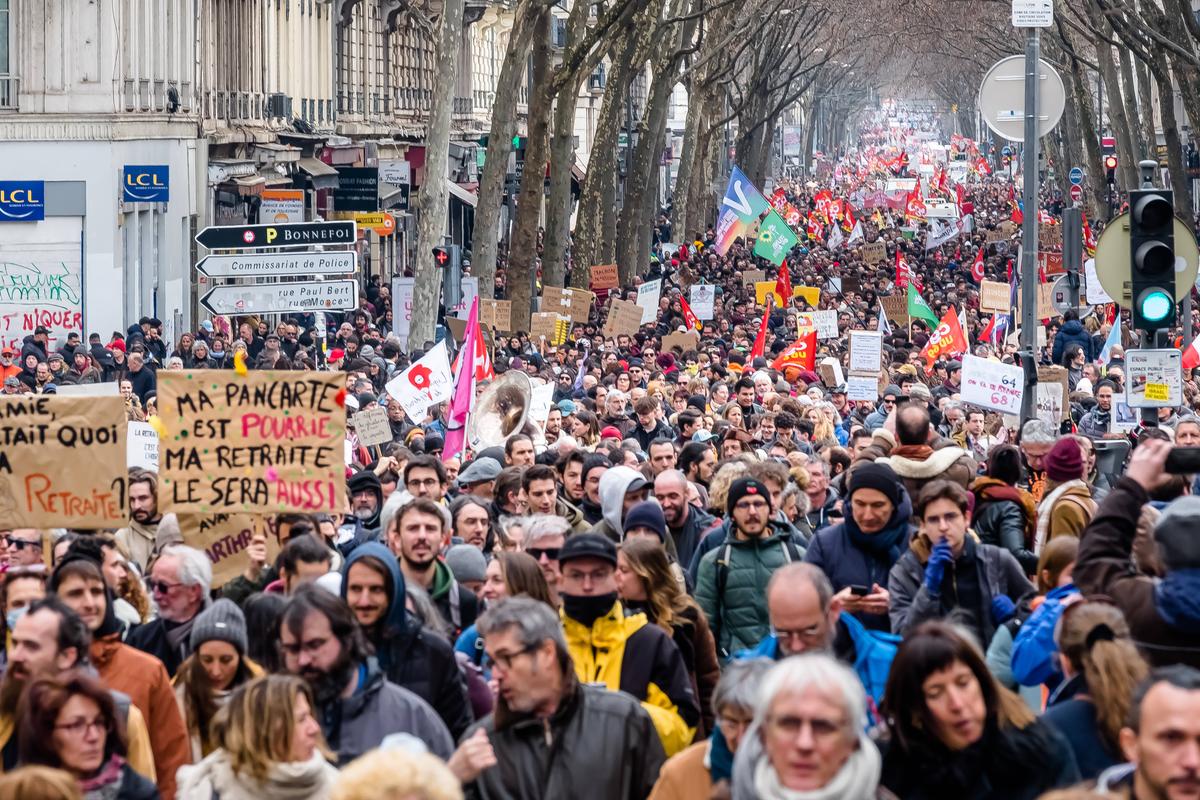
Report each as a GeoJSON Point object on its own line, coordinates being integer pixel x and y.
{"type": "Point", "coordinates": [1095, 292]}
{"type": "Point", "coordinates": [540, 402]}
{"type": "Point", "coordinates": [426, 382]}
{"type": "Point", "coordinates": [402, 300]}
{"type": "Point", "coordinates": [992, 385]}
{"type": "Point", "coordinates": [141, 446]}
{"type": "Point", "coordinates": [862, 387]}
{"type": "Point", "coordinates": [704, 298]}
{"type": "Point", "coordinates": [647, 298]}
{"type": "Point", "coordinates": [866, 351]}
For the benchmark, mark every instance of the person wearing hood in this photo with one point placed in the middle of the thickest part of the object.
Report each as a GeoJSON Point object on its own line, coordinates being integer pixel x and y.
{"type": "Point", "coordinates": [366, 501]}
{"type": "Point", "coordinates": [409, 655]}
{"type": "Point", "coordinates": [1072, 332]}
{"type": "Point", "coordinates": [417, 534]}
{"type": "Point", "coordinates": [775, 761]}
{"type": "Point", "coordinates": [79, 583]}
{"type": "Point", "coordinates": [917, 462]}
{"type": "Point", "coordinates": [620, 489]}
{"type": "Point", "coordinates": [858, 553]}
{"type": "Point", "coordinates": [732, 577]}
{"type": "Point", "coordinates": [947, 573]}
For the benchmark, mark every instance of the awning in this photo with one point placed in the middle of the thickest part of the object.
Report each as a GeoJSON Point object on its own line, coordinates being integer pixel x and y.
{"type": "Point", "coordinates": [322, 175]}
{"type": "Point", "coordinates": [463, 196]}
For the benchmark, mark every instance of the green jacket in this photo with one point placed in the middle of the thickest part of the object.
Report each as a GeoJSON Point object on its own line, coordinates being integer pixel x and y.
{"type": "Point", "coordinates": [731, 587]}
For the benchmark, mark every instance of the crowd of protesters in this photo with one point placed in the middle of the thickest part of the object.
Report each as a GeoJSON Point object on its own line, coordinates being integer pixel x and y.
{"type": "Point", "coordinates": [706, 573]}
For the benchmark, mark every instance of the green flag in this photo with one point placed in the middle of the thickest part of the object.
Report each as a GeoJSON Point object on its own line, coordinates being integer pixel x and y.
{"type": "Point", "coordinates": [775, 239]}
{"type": "Point", "coordinates": [919, 309]}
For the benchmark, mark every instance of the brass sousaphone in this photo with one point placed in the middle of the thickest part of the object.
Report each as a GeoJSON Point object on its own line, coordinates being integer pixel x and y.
{"type": "Point", "coordinates": [500, 411]}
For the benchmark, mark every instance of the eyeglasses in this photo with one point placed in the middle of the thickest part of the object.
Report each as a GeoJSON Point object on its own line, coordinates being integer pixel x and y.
{"type": "Point", "coordinates": [809, 634]}
{"type": "Point", "coordinates": [551, 553]}
{"type": "Point", "coordinates": [505, 660]}
{"type": "Point", "coordinates": [81, 727]}
{"type": "Point", "coordinates": [417, 484]}
{"type": "Point", "coordinates": [749, 505]}
{"type": "Point", "coordinates": [160, 587]}
{"type": "Point", "coordinates": [21, 544]}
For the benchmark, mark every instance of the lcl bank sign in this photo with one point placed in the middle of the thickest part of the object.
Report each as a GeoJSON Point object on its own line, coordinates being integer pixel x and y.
{"type": "Point", "coordinates": [22, 201]}
{"type": "Point", "coordinates": [146, 184]}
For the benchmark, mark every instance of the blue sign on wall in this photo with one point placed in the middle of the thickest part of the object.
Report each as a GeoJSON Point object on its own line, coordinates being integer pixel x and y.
{"type": "Point", "coordinates": [22, 201]}
{"type": "Point", "coordinates": [147, 184]}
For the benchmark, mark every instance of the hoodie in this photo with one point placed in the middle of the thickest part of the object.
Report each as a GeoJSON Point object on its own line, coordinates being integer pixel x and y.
{"type": "Point", "coordinates": [367, 480]}
{"type": "Point", "coordinates": [411, 655]}
{"type": "Point", "coordinates": [613, 486]}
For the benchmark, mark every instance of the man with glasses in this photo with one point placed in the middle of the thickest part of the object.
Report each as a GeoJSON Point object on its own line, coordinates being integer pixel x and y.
{"type": "Point", "coordinates": [625, 653]}
{"type": "Point", "coordinates": [600, 735]}
{"type": "Point", "coordinates": [25, 548]}
{"type": "Point", "coordinates": [887, 405]}
{"type": "Point", "coordinates": [323, 643]}
{"type": "Point", "coordinates": [425, 476]}
{"type": "Point", "coordinates": [544, 537]}
{"type": "Point", "coordinates": [179, 583]}
{"type": "Point", "coordinates": [731, 578]}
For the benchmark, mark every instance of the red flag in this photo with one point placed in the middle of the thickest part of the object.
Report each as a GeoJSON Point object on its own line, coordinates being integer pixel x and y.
{"type": "Point", "coordinates": [689, 316]}
{"type": "Point", "coordinates": [977, 267]}
{"type": "Point", "coordinates": [914, 206]}
{"type": "Point", "coordinates": [1015, 214]}
{"type": "Point", "coordinates": [783, 285]}
{"type": "Point", "coordinates": [981, 166]}
{"type": "Point", "coordinates": [946, 340]}
{"type": "Point", "coordinates": [1089, 238]}
{"type": "Point", "coordinates": [801, 353]}
{"type": "Point", "coordinates": [901, 271]}
{"type": "Point", "coordinates": [848, 222]}
{"type": "Point", "coordinates": [760, 341]}
{"type": "Point", "coordinates": [1191, 356]}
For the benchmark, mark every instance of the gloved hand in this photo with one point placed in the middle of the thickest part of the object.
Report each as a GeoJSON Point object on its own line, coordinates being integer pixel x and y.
{"type": "Point", "coordinates": [935, 568]}
{"type": "Point", "coordinates": [1003, 609]}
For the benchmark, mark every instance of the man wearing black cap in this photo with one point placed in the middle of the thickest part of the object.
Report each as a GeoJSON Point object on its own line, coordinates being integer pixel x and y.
{"type": "Point", "coordinates": [858, 553]}
{"type": "Point", "coordinates": [732, 578]}
{"type": "Point", "coordinates": [624, 653]}
{"type": "Point", "coordinates": [366, 500]}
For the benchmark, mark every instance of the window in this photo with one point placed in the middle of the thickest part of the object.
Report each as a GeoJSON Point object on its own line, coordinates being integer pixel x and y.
{"type": "Point", "coordinates": [4, 58]}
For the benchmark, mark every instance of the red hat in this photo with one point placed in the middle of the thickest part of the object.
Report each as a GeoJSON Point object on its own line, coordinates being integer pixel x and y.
{"type": "Point", "coordinates": [117, 344]}
{"type": "Point", "coordinates": [1064, 462]}
{"type": "Point", "coordinates": [337, 354]}
{"type": "Point", "coordinates": [610, 432]}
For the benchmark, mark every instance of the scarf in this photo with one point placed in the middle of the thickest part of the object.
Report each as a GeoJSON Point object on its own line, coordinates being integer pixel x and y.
{"type": "Point", "coordinates": [887, 543]}
{"type": "Point", "coordinates": [755, 779]}
{"type": "Point", "coordinates": [913, 452]}
{"type": "Point", "coordinates": [1177, 599]}
{"type": "Point", "coordinates": [1043, 523]}
{"type": "Point", "coordinates": [290, 780]}
{"type": "Point", "coordinates": [986, 488]}
{"type": "Point", "coordinates": [178, 634]}
{"type": "Point", "coordinates": [106, 783]}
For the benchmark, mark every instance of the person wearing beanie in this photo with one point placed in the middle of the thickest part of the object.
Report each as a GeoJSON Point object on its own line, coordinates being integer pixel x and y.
{"type": "Point", "coordinates": [858, 553]}
{"type": "Point", "coordinates": [217, 666]}
{"type": "Point", "coordinates": [366, 499]}
{"type": "Point", "coordinates": [887, 404]}
{"type": "Point", "coordinates": [78, 580]}
{"type": "Point", "coordinates": [646, 519]}
{"type": "Point", "coordinates": [468, 565]}
{"type": "Point", "coordinates": [1067, 505]}
{"type": "Point", "coordinates": [731, 580]}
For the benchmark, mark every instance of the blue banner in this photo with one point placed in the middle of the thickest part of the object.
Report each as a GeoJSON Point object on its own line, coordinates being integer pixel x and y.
{"type": "Point", "coordinates": [147, 184]}
{"type": "Point", "coordinates": [22, 201]}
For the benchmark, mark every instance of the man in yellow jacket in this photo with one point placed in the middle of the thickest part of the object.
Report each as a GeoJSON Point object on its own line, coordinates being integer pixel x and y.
{"type": "Point", "coordinates": [51, 639]}
{"type": "Point", "coordinates": [622, 652]}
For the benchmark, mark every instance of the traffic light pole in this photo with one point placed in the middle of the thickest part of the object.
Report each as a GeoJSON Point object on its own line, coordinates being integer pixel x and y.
{"type": "Point", "coordinates": [1029, 229]}
{"type": "Point", "coordinates": [1072, 237]}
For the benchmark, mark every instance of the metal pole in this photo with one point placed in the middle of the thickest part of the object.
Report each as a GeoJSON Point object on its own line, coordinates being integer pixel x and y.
{"type": "Point", "coordinates": [1072, 233]}
{"type": "Point", "coordinates": [1029, 230]}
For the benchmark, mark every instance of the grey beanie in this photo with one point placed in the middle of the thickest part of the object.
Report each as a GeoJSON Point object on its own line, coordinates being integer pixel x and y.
{"type": "Point", "coordinates": [467, 563]}
{"type": "Point", "coordinates": [1175, 530]}
{"type": "Point", "coordinates": [222, 621]}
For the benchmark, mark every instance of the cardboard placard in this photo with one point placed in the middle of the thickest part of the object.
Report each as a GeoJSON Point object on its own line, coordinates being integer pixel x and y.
{"type": "Point", "coordinates": [874, 252]}
{"type": "Point", "coordinates": [991, 237]}
{"type": "Point", "coordinates": [495, 314]}
{"type": "Point", "coordinates": [825, 322]}
{"type": "Point", "coordinates": [1045, 305]}
{"type": "Point", "coordinates": [62, 462]}
{"type": "Point", "coordinates": [575, 304]}
{"type": "Point", "coordinates": [141, 446]}
{"type": "Point", "coordinates": [624, 317]}
{"type": "Point", "coordinates": [688, 340]}
{"type": "Point", "coordinates": [994, 297]}
{"type": "Point", "coordinates": [1050, 237]}
{"type": "Point", "coordinates": [224, 538]}
{"type": "Point", "coordinates": [831, 372]}
{"type": "Point", "coordinates": [545, 324]}
{"type": "Point", "coordinates": [750, 277]}
{"type": "Point", "coordinates": [604, 276]}
{"type": "Point", "coordinates": [896, 308]}
{"type": "Point", "coordinates": [373, 426]}
{"type": "Point", "coordinates": [866, 351]}
{"type": "Point", "coordinates": [262, 442]}
{"type": "Point", "coordinates": [1054, 375]}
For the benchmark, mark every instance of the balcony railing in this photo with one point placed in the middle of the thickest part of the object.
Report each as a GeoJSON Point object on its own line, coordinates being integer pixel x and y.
{"type": "Point", "coordinates": [10, 87]}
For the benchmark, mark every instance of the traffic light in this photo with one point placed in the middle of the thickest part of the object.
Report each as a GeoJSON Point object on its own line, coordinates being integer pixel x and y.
{"type": "Point", "coordinates": [1110, 168]}
{"type": "Point", "coordinates": [441, 256]}
{"type": "Point", "coordinates": [1152, 252]}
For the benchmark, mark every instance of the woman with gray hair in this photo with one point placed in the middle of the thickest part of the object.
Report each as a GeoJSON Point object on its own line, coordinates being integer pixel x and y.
{"type": "Point", "coordinates": [808, 736]}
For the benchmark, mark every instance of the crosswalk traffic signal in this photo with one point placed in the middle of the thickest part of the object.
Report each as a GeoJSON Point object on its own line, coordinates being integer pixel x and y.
{"type": "Point", "coordinates": [1152, 255]}
{"type": "Point", "coordinates": [441, 256]}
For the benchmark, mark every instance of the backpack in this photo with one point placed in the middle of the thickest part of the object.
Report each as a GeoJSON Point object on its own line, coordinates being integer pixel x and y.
{"type": "Point", "coordinates": [790, 553]}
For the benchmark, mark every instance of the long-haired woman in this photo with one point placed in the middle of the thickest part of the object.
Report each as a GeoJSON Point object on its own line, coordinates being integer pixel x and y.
{"type": "Point", "coordinates": [269, 747]}
{"type": "Point", "coordinates": [508, 574]}
{"type": "Point", "coordinates": [954, 732]}
{"type": "Point", "coordinates": [646, 582]}
{"type": "Point", "coordinates": [1101, 669]}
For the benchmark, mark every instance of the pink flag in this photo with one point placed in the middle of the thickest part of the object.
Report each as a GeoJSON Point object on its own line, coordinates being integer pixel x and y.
{"type": "Point", "coordinates": [464, 389]}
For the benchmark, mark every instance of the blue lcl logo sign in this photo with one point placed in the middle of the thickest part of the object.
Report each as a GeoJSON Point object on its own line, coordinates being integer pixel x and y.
{"type": "Point", "coordinates": [147, 184]}
{"type": "Point", "coordinates": [22, 201]}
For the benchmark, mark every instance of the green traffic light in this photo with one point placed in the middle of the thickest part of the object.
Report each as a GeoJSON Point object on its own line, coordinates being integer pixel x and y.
{"type": "Point", "coordinates": [516, 142]}
{"type": "Point", "coordinates": [1156, 305]}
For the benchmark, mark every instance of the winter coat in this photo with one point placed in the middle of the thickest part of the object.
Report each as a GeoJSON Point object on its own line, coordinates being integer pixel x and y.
{"type": "Point", "coordinates": [1005, 516]}
{"type": "Point", "coordinates": [827, 513]}
{"type": "Point", "coordinates": [1074, 716]}
{"type": "Point", "coordinates": [996, 572]}
{"type": "Point", "coordinates": [685, 540]}
{"type": "Point", "coordinates": [685, 776]}
{"type": "Point", "coordinates": [1072, 332]}
{"type": "Point", "coordinates": [920, 469]}
{"type": "Point", "coordinates": [214, 778]}
{"type": "Point", "coordinates": [129, 785]}
{"type": "Point", "coordinates": [622, 422]}
{"type": "Point", "coordinates": [628, 654]}
{"type": "Point", "coordinates": [731, 587]}
{"type": "Point", "coordinates": [692, 636]}
{"type": "Point", "coordinates": [138, 540]}
{"type": "Point", "coordinates": [613, 486]}
{"type": "Point", "coordinates": [1034, 650]}
{"type": "Point", "coordinates": [152, 638]}
{"type": "Point", "coordinates": [412, 656]}
{"type": "Point", "coordinates": [457, 604]}
{"type": "Point", "coordinates": [1064, 511]}
{"type": "Point", "coordinates": [353, 725]}
{"type": "Point", "coordinates": [999, 661]}
{"type": "Point", "coordinates": [643, 437]}
{"type": "Point", "coordinates": [572, 515]}
{"type": "Point", "coordinates": [1105, 567]}
{"type": "Point", "coordinates": [598, 744]}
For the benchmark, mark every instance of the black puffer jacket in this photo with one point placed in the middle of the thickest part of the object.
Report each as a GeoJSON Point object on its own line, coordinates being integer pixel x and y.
{"type": "Point", "coordinates": [598, 744]}
{"type": "Point", "coordinates": [1002, 523]}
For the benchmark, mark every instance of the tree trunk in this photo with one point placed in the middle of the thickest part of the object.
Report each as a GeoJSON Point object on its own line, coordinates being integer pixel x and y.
{"type": "Point", "coordinates": [1141, 148]}
{"type": "Point", "coordinates": [1127, 167]}
{"type": "Point", "coordinates": [688, 155]}
{"type": "Point", "coordinates": [1146, 106]}
{"type": "Point", "coordinates": [523, 251]}
{"type": "Point", "coordinates": [645, 231]}
{"type": "Point", "coordinates": [1175, 165]}
{"type": "Point", "coordinates": [433, 199]}
{"type": "Point", "coordinates": [1082, 101]}
{"type": "Point", "coordinates": [1188, 79]}
{"type": "Point", "coordinates": [495, 167]}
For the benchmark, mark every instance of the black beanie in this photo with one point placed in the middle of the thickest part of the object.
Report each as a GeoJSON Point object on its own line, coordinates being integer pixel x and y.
{"type": "Point", "coordinates": [743, 487]}
{"type": "Point", "coordinates": [880, 477]}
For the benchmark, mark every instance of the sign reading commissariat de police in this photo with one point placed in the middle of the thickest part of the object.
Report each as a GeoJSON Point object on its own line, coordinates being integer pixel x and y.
{"type": "Point", "coordinates": [301, 234]}
{"type": "Point", "coordinates": [22, 201]}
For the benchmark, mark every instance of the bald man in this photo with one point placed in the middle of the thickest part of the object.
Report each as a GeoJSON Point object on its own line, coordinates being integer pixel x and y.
{"type": "Point", "coordinates": [686, 522]}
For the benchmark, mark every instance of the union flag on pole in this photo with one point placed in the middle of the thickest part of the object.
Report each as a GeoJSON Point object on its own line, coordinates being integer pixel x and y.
{"type": "Point", "coordinates": [1089, 238]}
{"type": "Point", "coordinates": [977, 267]}
{"type": "Point", "coordinates": [902, 273]}
{"type": "Point", "coordinates": [760, 341]}
{"type": "Point", "coordinates": [801, 353]}
{"type": "Point", "coordinates": [783, 284]}
{"type": "Point", "coordinates": [946, 340]}
{"type": "Point", "coordinates": [1015, 214]}
{"type": "Point", "coordinates": [689, 316]}
{"type": "Point", "coordinates": [914, 206]}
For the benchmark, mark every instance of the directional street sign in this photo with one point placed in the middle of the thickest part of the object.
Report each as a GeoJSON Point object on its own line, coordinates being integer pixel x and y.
{"type": "Point", "coordinates": [263, 265]}
{"type": "Point", "coordinates": [299, 234]}
{"type": "Point", "coordinates": [267, 298]}
{"type": "Point", "coordinates": [1076, 176]}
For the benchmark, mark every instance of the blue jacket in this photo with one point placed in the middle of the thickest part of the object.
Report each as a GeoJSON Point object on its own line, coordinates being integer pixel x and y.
{"type": "Point", "coordinates": [1034, 650]}
{"type": "Point", "coordinates": [1072, 332]}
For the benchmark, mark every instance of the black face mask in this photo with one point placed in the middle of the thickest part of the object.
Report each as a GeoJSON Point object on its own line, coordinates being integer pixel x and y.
{"type": "Point", "coordinates": [587, 608]}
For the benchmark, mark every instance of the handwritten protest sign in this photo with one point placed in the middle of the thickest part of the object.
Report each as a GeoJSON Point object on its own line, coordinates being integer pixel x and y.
{"type": "Point", "coordinates": [896, 308]}
{"type": "Point", "coordinates": [373, 426]}
{"type": "Point", "coordinates": [550, 325]}
{"type": "Point", "coordinates": [750, 277]}
{"type": "Point", "coordinates": [142, 446]}
{"type": "Point", "coordinates": [874, 252]}
{"type": "Point", "coordinates": [992, 385]}
{"type": "Point", "coordinates": [576, 304]}
{"type": "Point", "coordinates": [266, 441]}
{"type": "Point", "coordinates": [866, 352]}
{"type": "Point", "coordinates": [224, 538]}
{"type": "Point", "coordinates": [604, 276]}
{"type": "Point", "coordinates": [624, 316]}
{"type": "Point", "coordinates": [824, 321]}
{"type": "Point", "coordinates": [647, 297]}
{"type": "Point", "coordinates": [703, 300]}
{"type": "Point", "coordinates": [993, 297]}
{"type": "Point", "coordinates": [1053, 390]}
{"type": "Point", "coordinates": [62, 462]}
{"type": "Point", "coordinates": [496, 314]}
{"type": "Point", "coordinates": [688, 340]}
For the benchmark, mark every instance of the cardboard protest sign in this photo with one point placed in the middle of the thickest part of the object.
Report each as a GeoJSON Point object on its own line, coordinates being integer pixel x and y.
{"type": "Point", "coordinates": [576, 304]}
{"type": "Point", "coordinates": [751, 277]}
{"type": "Point", "coordinates": [549, 325]}
{"type": "Point", "coordinates": [624, 316]}
{"type": "Point", "coordinates": [1057, 389]}
{"type": "Point", "coordinates": [896, 308]}
{"type": "Point", "coordinates": [373, 426]}
{"type": "Point", "coordinates": [991, 237]}
{"type": "Point", "coordinates": [604, 276]}
{"type": "Point", "coordinates": [831, 372]}
{"type": "Point", "coordinates": [224, 538]}
{"type": "Point", "coordinates": [62, 462]}
{"type": "Point", "coordinates": [993, 297]}
{"type": "Point", "coordinates": [1045, 304]}
{"type": "Point", "coordinates": [992, 384]}
{"type": "Point", "coordinates": [824, 321]}
{"type": "Point", "coordinates": [495, 314]}
{"type": "Point", "coordinates": [874, 252]}
{"type": "Point", "coordinates": [264, 442]}
{"type": "Point", "coordinates": [1050, 237]}
{"type": "Point", "coordinates": [141, 446]}
{"type": "Point", "coordinates": [689, 340]}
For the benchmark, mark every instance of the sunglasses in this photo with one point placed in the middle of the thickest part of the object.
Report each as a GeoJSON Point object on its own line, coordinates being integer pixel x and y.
{"type": "Point", "coordinates": [551, 553]}
{"type": "Point", "coordinates": [160, 587]}
{"type": "Point", "coordinates": [20, 544]}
